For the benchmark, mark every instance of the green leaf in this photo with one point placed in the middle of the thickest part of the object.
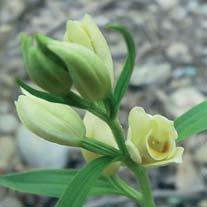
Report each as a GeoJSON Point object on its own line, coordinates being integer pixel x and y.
{"type": "Point", "coordinates": [192, 122]}
{"type": "Point", "coordinates": [123, 81]}
{"type": "Point", "coordinates": [100, 148]}
{"type": "Point", "coordinates": [71, 99]}
{"type": "Point", "coordinates": [40, 94]}
{"type": "Point", "coordinates": [79, 188]}
{"type": "Point", "coordinates": [52, 183]}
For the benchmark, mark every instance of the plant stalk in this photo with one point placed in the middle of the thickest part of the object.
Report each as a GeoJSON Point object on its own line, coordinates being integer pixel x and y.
{"type": "Point", "coordinates": [127, 190]}
{"type": "Point", "coordinates": [141, 175]}
{"type": "Point", "coordinates": [138, 170]}
{"type": "Point", "coordinates": [118, 133]}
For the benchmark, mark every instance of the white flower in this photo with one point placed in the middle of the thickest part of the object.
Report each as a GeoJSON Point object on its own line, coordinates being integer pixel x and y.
{"type": "Point", "coordinates": [151, 140]}
{"type": "Point", "coordinates": [99, 130]}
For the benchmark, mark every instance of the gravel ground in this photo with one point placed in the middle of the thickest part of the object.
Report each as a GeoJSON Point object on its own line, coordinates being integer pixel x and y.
{"type": "Point", "coordinates": [169, 78]}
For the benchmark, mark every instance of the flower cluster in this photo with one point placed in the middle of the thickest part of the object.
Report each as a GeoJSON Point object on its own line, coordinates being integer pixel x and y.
{"type": "Point", "coordinates": [82, 62]}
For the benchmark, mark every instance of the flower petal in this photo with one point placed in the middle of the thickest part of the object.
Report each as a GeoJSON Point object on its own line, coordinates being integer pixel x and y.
{"type": "Point", "coordinates": [177, 158]}
{"type": "Point", "coordinates": [163, 128]}
{"type": "Point", "coordinates": [133, 152]}
{"type": "Point", "coordinates": [99, 43]}
{"type": "Point", "coordinates": [99, 130]}
{"type": "Point", "coordinates": [76, 34]}
{"type": "Point", "coordinates": [139, 125]}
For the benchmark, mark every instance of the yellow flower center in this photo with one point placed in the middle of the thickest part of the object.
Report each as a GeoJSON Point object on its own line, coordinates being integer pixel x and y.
{"type": "Point", "coordinates": [158, 146]}
{"type": "Point", "coordinates": [158, 149]}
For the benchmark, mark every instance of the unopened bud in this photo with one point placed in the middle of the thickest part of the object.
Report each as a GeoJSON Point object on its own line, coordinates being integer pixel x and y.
{"type": "Point", "coordinates": [52, 121]}
{"type": "Point", "coordinates": [87, 33]}
{"type": "Point", "coordinates": [43, 67]}
{"type": "Point", "coordinates": [88, 72]}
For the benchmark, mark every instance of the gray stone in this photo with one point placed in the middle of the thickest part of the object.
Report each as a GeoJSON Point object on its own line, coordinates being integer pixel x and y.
{"type": "Point", "coordinates": [182, 100]}
{"type": "Point", "coordinates": [193, 7]}
{"type": "Point", "coordinates": [10, 201]}
{"type": "Point", "coordinates": [7, 152]}
{"type": "Point", "coordinates": [5, 30]}
{"type": "Point", "coordinates": [7, 80]}
{"type": "Point", "coordinates": [8, 123]}
{"type": "Point", "coordinates": [167, 4]}
{"type": "Point", "coordinates": [203, 10]}
{"type": "Point", "coordinates": [178, 52]}
{"type": "Point", "coordinates": [178, 14]}
{"type": "Point", "coordinates": [201, 154]}
{"type": "Point", "coordinates": [202, 203]}
{"type": "Point", "coordinates": [101, 21]}
{"type": "Point", "coordinates": [39, 153]}
{"type": "Point", "coordinates": [151, 74]}
{"type": "Point", "coordinates": [4, 107]}
{"type": "Point", "coordinates": [189, 71]}
{"type": "Point", "coordinates": [187, 174]}
{"type": "Point", "coordinates": [12, 10]}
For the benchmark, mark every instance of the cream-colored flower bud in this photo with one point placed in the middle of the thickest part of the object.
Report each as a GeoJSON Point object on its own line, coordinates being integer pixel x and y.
{"type": "Point", "coordinates": [151, 139]}
{"type": "Point", "coordinates": [87, 33]}
{"type": "Point", "coordinates": [52, 121]}
{"type": "Point", "coordinates": [99, 130]}
{"type": "Point", "coordinates": [88, 72]}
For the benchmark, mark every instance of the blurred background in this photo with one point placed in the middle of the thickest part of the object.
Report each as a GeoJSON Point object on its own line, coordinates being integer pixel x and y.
{"type": "Point", "coordinates": [169, 78]}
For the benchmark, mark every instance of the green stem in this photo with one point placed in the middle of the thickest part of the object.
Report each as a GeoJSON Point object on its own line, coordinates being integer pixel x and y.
{"type": "Point", "coordinates": [96, 108]}
{"type": "Point", "coordinates": [138, 170]}
{"type": "Point", "coordinates": [127, 190]}
{"type": "Point", "coordinates": [98, 111]}
{"type": "Point", "coordinates": [141, 175]}
{"type": "Point", "coordinates": [114, 124]}
{"type": "Point", "coordinates": [118, 133]}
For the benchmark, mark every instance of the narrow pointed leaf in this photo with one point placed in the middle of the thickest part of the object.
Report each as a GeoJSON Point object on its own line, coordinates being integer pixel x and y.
{"type": "Point", "coordinates": [40, 94]}
{"type": "Point", "coordinates": [71, 99]}
{"type": "Point", "coordinates": [52, 183]}
{"type": "Point", "coordinates": [123, 81]}
{"type": "Point", "coordinates": [99, 147]}
{"type": "Point", "coordinates": [79, 188]}
{"type": "Point", "coordinates": [192, 122]}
